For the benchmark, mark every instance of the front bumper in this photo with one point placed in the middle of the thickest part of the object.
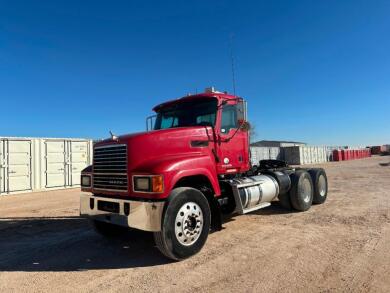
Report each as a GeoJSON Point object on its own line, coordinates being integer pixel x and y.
{"type": "Point", "coordinates": [142, 215]}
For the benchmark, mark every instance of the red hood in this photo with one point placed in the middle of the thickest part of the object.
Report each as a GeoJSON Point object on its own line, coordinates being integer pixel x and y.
{"type": "Point", "coordinates": [144, 147]}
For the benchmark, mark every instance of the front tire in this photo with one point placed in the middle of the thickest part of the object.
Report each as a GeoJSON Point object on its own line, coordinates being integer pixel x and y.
{"type": "Point", "coordinates": [185, 225]}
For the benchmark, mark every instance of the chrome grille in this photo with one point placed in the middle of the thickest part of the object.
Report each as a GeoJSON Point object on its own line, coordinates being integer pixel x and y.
{"type": "Point", "coordinates": [110, 167]}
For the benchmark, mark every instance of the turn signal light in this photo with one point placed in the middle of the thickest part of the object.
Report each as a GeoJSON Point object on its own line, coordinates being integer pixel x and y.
{"type": "Point", "coordinates": [157, 183]}
{"type": "Point", "coordinates": [148, 183]}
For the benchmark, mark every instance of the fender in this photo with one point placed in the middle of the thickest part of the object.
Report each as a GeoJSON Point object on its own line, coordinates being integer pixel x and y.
{"type": "Point", "coordinates": [173, 168]}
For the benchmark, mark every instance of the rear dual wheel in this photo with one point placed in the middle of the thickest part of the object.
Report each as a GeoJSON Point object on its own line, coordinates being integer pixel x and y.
{"type": "Point", "coordinates": [320, 183]}
{"type": "Point", "coordinates": [186, 224]}
{"type": "Point", "coordinates": [301, 192]}
{"type": "Point", "coordinates": [307, 187]}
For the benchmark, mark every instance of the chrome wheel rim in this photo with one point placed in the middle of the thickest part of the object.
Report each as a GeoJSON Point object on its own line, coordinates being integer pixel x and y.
{"type": "Point", "coordinates": [322, 185]}
{"type": "Point", "coordinates": [188, 223]}
{"type": "Point", "coordinates": [306, 189]}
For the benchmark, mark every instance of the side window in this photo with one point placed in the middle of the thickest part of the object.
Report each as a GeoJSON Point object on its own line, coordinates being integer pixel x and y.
{"type": "Point", "coordinates": [229, 118]}
{"type": "Point", "coordinates": [208, 118]}
{"type": "Point", "coordinates": [168, 122]}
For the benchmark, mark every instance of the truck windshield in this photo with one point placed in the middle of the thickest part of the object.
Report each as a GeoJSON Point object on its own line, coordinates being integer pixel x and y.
{"type": "Point", "coordinates": [187, 113]}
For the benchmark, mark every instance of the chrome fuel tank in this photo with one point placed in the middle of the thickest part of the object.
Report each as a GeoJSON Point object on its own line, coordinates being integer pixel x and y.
{"type": "Point", "coordinates": [254, 191]}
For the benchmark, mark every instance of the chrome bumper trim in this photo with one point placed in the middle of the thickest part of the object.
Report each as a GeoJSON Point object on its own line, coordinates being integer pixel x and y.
{"type": "Point", "coordinates": [143, 215]}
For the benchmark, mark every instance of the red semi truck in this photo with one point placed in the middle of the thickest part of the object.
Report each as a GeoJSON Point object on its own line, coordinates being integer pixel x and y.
{"type": "Point", "coordinates": [180, 177]}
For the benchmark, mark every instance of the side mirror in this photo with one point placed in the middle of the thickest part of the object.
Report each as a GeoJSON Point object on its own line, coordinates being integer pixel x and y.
{"type": "Point", "coordinates": [244, 125]}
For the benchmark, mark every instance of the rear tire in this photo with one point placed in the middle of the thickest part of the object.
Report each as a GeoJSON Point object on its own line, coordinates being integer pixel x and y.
{"type": "Point", "coordinates": [320, 184]}
{"type": "Point", "coordinates": [107, 229]}
{"type": "Point", "coordinates": [301, 192]}
{"type": "Point", "coordinates": [186, 224]}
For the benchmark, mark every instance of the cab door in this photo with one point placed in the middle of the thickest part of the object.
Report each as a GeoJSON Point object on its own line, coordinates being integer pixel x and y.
{"type": "Point", "coordinates": [233, 142]}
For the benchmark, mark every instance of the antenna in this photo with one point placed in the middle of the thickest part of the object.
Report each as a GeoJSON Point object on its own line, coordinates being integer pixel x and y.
{"type": "Point", "coordinates": [113, 136]}
{"type": "Point", "coordinates": [232, 63]}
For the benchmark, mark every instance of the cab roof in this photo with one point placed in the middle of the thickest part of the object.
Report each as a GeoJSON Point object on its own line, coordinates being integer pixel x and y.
{"type": "Point", "coordinates": [208, 94]}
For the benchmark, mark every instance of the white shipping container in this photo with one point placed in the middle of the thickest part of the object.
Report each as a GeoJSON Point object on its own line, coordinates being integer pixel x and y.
{"type": "Point", "coordinates": [265, 153]}
{"type": "Point", "coordinates": [15, 165]}
{"type": "Point", "coordinates": [36, 164]}
{"type": "Point", "coordinates": [301, 155]}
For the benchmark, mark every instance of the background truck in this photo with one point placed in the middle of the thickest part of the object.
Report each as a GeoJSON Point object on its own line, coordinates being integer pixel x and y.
{"type": "Point", "coordinates": [189, 168]}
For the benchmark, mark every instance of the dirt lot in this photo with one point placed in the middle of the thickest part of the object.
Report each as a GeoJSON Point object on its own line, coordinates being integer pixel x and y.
{"type": "Point", "coordinates": [343, 245]}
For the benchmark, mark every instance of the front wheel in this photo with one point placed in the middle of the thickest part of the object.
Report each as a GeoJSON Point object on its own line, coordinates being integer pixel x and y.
{"type": "Point", "coordinates": [185, 225]}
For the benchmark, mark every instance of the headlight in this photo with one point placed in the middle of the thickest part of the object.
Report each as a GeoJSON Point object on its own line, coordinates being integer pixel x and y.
{"type": "Point", "coordinates": [142, 183]}
{"type": "Point", "coordinates": [86, 180]}
{"type": "Point", "coordinates": [148, 183]}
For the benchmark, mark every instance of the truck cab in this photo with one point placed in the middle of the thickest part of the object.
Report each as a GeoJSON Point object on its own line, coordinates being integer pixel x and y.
{"type": "Point", "coordinates": [177, 178]}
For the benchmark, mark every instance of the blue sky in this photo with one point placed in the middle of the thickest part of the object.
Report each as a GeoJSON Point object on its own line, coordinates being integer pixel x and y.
{"type": "Point", "coordinates": [313, 71]}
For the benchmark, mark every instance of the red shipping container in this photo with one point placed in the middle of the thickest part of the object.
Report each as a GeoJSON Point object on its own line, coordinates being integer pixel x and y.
{"type": "Point", "coordinates": [337, 156]}
{"type": "Point", "coordinates": [344, 155]}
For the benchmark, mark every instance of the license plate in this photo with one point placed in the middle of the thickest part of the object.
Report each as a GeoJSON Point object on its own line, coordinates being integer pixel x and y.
{"type": "Point", "coordinates": [108, 206]}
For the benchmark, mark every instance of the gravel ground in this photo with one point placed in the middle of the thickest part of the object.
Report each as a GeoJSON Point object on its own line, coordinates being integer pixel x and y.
{"type": "Point", "coordinates": [342, 245]}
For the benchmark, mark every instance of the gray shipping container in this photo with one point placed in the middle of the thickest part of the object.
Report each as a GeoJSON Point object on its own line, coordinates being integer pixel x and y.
{"type": "Point", "coordinates": [35, 164]}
